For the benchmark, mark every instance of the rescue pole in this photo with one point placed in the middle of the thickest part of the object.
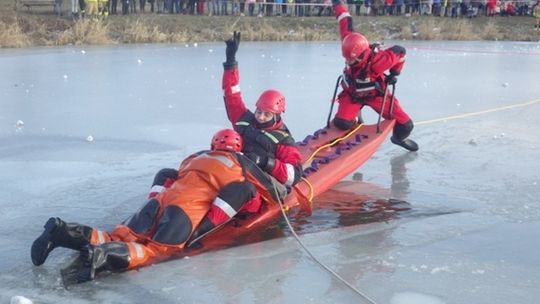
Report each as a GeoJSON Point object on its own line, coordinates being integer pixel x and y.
{"type": "Point", "coordinates": [333, 101]}
{"type": "Point", "coordinates": [391, 114]}
{"type": "Point", "coordinates": [382, 109]}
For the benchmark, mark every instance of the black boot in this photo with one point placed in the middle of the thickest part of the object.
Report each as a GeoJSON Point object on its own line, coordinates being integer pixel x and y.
{"type": "Point", "coordinates": [59, 234]}
{"type": "Point", "coordinates": [408, 144]}
{"type": "Point", "coordinates": [113, 256]}
{"type": "Point", "coordinates": [400, 134]}
{"type": "Point", "coordinates": [204, 228]}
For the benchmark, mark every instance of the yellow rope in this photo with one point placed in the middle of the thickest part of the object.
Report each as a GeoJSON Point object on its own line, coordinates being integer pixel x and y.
{"type": "Point", "coordinates": [335, 141]}
{"type": "Point", "coordinates": [311, 191]}
{"type": "Point", "coordinates": [478, 113]}
{"type": "Point", "coordinates": [309, 197]}
{"type": "Point", "coordinates": [332, 143]}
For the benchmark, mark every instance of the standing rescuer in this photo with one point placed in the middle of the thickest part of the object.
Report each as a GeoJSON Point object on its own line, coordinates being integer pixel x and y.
{"type": "Point", "coordinates": [364, 81]}
{"type": "Point", "coordinates": [211, 187]}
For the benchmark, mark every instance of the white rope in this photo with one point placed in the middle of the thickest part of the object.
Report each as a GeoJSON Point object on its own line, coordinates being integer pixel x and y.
{"type": "Point", "coordinates": [336, 275]}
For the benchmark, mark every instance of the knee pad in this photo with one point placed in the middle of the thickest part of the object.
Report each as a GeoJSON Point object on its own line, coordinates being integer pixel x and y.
{"type": "Point", "coordinates": [343, 124]}
{"type": "Point", "coordinates": [402, 131]}
{"type": "Point", "coordinates": [174, 227]}
{"type": "Point", "coordinates": [143, 220]}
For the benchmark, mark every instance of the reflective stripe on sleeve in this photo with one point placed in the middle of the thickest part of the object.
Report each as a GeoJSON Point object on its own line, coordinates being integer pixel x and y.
{"type": "Point", "coordinates": [157, 189]}
{"type": "Point", "coordinates": [343, 15]}
{"type": "Point", "coordinates": [242, 123]}
{"type": "Point", "coordinates": [223, 205]}
{"type": "Point", "coordinates": [235, 89]}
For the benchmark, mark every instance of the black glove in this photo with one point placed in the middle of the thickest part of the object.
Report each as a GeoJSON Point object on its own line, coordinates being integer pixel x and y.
{"type": "Point", "coordinates": [232, 47]}
{"type": "Point", "coordinates": [391, 79]}
{"type": "Point", "coordinates": [264, 162]}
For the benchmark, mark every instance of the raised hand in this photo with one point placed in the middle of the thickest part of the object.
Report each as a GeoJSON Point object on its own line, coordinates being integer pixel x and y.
{"type": "Point", "coordinates": [232, 47]}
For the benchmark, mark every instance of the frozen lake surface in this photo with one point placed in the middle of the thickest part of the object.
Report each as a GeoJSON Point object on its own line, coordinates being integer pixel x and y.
{"type": "Point", "coordinates": [83, 130]}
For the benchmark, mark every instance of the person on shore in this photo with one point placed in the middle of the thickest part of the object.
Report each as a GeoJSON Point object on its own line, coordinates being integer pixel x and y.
{"type": "Point", "coordinates": [211, 187]}
{"type": "Point", "coordinates": [267, 140]}
{"type": "Point", "coordinates": [536, 14]}
{"type": "Point", "coordinates": [364, 81]}
{"type": "Point", "coordinates": [74, 8]}
{"type": "Point", "coordinates": [91, 8]}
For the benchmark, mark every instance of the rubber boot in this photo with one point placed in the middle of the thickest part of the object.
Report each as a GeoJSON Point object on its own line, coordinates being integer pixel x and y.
{"type": "Point", "coordinates": [400, 134]}
{"type": "Point", "coordinates": [205, 227]}
{"type": "Point", "coordinates": [113, 256]}
{"type": "Point", "coordinates": [58, 233]}
{"type": "Point", "coordinates": [408, 144]}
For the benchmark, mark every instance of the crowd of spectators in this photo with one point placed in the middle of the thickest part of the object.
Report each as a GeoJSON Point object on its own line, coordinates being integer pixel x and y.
{"type": "Point", "coordinates": [306, 8]}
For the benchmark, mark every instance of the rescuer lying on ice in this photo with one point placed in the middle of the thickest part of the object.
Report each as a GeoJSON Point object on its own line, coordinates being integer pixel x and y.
{"type": "Point", "coordinates": [364, 81]}
{"type": "Point", "coordinates": [211, 187]}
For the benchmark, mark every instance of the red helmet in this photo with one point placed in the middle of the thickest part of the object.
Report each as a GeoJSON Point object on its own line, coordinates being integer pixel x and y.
{"type": "Point", "coordinates": [227, 139]}
{"type": "Point", "coordinates": [271, 101]}
{"type": "Point", "coordinates": [354, 47]}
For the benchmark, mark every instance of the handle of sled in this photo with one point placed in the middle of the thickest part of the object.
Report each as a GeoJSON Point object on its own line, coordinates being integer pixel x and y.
{"type": "Point", "coordinates": [333, 101]}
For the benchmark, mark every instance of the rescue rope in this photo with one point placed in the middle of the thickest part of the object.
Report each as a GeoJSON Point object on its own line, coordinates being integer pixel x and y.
{"type": "Point", "coordinates": [311, 191]}
{"type": "Point", "coordinates": [332, 143]}
{"type": "Point", "coordinates": [324, 266]}
{"type": "Point", "coordinates": [478, 113]}
{"type": "Point", "coordinates": [455, 50]}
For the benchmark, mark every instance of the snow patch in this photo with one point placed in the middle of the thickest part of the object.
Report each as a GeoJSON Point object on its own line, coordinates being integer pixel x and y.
{"type": "Point", "coordinates": [440, 269]}
{"type": "Point", "coordinates": [414, 298]}
{"type": "Point", "coordinates": [20, 300]}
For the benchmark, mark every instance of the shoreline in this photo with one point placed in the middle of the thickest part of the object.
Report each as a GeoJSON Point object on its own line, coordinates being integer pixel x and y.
{"type": "Point", "coordinates": [32, 29]}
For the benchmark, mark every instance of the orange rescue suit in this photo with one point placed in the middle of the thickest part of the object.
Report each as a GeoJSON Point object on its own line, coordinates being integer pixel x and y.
{"type": "Point", "coordinates": [163, 226]}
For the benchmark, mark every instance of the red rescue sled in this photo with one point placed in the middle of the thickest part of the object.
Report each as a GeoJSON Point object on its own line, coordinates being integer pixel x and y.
{"type": "Point", "coordinates": [329, 155]}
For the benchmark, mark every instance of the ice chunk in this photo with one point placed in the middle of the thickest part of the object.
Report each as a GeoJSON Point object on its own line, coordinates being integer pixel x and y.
{"type": "Point", "coordinates": [414, 298]}
{"type": "Point", "coordinates": [20, 300]}
{"type": "Point", "coordinates": [90, 138]}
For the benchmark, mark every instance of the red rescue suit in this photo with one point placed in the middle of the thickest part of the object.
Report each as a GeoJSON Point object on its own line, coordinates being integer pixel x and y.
{"type": "Point", "coordinates": [364, 83]}
{"type": "Point", "coordinates": [287, 168]}
{"type": "Point", "coordinates": [165, 223]}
